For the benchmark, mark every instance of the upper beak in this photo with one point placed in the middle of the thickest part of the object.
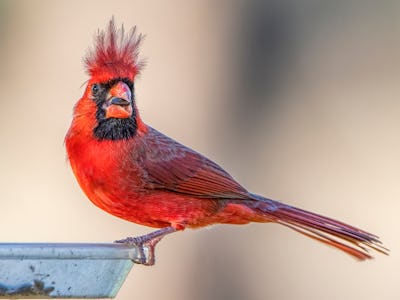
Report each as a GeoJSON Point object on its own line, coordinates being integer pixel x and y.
{"type": "Point", "coordinates": [120, 94]}
{"type": "Point", "coordinates": [119, 101]}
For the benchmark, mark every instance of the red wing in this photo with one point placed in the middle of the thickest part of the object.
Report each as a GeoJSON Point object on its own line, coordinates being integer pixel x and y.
{"type": "Point", "coordinates": [167, 164]}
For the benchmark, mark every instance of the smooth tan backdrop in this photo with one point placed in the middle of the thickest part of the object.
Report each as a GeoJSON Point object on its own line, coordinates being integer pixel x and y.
{"type": "Point", "coordinates": [298, 100]}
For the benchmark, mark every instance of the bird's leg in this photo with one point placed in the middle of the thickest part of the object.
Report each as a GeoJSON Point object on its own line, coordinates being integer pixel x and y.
{"type": "Point", "coordinates": [146, 243]}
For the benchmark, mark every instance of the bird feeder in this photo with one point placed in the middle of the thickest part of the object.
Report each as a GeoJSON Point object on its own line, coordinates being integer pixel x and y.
{"type": "Point", "coordinates": [62, 270]}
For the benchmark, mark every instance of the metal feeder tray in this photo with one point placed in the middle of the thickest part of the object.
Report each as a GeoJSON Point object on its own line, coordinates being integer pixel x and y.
{"type": "Point", "coordinates": [64, 270]}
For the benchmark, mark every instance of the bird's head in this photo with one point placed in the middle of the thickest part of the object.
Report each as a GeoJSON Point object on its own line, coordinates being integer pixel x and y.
{"type": "Point", "coordinates": [107, 109]}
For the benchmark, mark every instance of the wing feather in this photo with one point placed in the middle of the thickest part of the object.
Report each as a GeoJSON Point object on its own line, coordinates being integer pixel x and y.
{"type": "Point", "coordinates": [169, 165]}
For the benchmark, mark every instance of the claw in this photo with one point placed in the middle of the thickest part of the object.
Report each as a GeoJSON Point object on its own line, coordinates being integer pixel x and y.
{"type": "Point", "coordinates": [146, 245]}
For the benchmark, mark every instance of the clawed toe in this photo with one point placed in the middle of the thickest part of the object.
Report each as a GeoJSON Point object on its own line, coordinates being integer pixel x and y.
{"type": "Point", "coordinates": [128, 241]}
{"type": "Point", "coordinates": [145, 245]}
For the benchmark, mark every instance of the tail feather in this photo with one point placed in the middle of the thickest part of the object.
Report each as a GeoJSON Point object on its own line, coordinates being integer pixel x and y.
{"type": "Point", "coordinates": [314, 234]}
{"type": "Point", "coordinates": [350, 239]}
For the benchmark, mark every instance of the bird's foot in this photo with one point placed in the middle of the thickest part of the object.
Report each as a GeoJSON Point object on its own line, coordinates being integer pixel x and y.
{"type": "Point", "coordinates": [146, 245]}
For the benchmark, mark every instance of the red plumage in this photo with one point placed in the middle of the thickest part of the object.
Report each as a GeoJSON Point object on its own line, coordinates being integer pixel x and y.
{"type": "Point", "coordinates": [136, 173]}
{"type": "Point", "coordinates": [115, 54]}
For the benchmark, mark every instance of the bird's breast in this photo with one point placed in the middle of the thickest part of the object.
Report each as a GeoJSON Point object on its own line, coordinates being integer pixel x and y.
{"type": "Point", "coordinates": [105, 171]}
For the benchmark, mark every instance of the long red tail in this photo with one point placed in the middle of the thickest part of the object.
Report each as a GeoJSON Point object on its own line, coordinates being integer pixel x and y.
{"type": "Point", "coordinates": [349, 239]}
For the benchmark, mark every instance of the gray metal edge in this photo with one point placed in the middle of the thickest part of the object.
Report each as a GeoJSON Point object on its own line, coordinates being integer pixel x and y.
{"type": "Point", "coordinates": [67, 251]}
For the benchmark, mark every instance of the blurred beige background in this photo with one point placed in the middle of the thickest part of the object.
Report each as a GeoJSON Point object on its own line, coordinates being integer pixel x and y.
{"type": "Point", "coordinates": [298, 100]}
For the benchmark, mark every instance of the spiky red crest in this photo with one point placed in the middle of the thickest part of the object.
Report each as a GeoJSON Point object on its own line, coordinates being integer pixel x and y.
{"type": "Point", "coordinates": [115, 54]}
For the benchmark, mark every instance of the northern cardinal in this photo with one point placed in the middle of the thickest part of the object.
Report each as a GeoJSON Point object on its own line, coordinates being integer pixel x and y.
{"type": "Point", "coordinates": [134, 172]}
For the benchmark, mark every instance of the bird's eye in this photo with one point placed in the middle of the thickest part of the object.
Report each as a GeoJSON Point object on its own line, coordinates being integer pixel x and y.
{"type": "Point", "coordinates": [95, 88]}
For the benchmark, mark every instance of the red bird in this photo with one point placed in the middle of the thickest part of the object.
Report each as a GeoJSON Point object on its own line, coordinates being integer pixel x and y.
{"type": "Point", "coordinates": [134, 172]}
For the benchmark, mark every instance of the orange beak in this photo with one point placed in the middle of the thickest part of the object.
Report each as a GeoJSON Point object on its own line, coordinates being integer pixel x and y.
{"type": "Point", "coordinates": [119, 101]}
